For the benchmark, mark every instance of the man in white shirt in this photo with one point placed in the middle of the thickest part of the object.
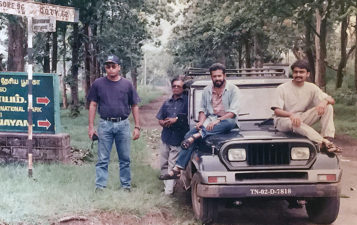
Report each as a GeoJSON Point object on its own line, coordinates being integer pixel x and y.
{"type": "Point", "coordinates": [299, 104]}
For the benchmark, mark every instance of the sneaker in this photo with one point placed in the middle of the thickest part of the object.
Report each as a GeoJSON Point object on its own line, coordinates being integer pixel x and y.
{"type": "Point", "coordinates": [98, 190]}
{"type": "Point", "coordinates": [127, 189]}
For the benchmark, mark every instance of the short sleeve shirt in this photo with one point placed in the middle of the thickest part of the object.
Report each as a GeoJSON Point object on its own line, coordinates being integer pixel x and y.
{"type": "Point", "coordinates": [295, 99]}
{"type": "Point", "coordinates": [114, 98]}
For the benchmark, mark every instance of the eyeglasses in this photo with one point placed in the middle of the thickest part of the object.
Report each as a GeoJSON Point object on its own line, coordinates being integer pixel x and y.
{"type": "Point", "coordinates": [108, 66]}
{"type": "Point", "coordinates": [176, 86]}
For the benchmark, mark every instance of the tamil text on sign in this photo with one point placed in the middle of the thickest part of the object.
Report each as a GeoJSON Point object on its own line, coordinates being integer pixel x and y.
{"type": "Point", "coordinates": [37, 9]}
{"type": "Point", "coordinates": [44, 24]}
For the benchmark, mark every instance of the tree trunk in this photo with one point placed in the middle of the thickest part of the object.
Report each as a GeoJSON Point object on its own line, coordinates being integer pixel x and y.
{"type": "Point", "coordinates": [134, 76]}
{"type": "Point", "coordinates": [54, 52]}
{"type": "Point", "coordinates": [87, 61]}
{"type": "Point", "coordinates": [309, 50]}
{"type": "Point", "coordinates": [320, 42]}
{"type": "Point", "coordinates": [64, 85]}
{"type": "Point", "coordinates": [247, 53]}
{"type": "Point", "coordinates": [240, 59]}
{"type": "Point", "coordinates": [344, 38]}
{"type": "Point", "coordinates": [258, 58]}
{"type": "Point", "coordinates": [95, 49]}
{"type": "Point", "coordinates": [74, 68]}
{"type": "Point", "coordinates": [46, 58]}
{"type": "Point", "coordinates": [16, 45]}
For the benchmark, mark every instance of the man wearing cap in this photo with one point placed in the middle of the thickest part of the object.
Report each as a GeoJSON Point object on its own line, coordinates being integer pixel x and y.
{"type": "Point", "coordinates": [115, 97]}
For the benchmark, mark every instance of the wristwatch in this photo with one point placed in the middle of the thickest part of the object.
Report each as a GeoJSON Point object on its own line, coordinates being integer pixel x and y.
{"type": "Point", "coordinates": [136, 127]}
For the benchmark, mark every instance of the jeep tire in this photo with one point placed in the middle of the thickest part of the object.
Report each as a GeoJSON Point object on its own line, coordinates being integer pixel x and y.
{"type": "Point", "coordinates": [204, 209]}
{"type": "Point", "coordinates": [323, 210]}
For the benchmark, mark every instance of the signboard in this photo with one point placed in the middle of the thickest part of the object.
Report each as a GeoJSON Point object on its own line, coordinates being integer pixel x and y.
{"type": "Point", "coordinates": [14, 100]}
{"type": "Point", "coordinates": [37, 9]}
{"type": "Point", "coordinates": [44, 24]}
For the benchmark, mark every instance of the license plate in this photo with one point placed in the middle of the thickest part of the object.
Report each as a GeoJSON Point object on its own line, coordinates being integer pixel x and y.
{"type": "Point", "coordinates": [270, 191]}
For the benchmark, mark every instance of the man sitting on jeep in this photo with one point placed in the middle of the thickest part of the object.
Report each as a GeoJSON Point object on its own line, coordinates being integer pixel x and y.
{"type": "Point", "coordinates": [299, 104]}
{"type": "Point", "coordinates": [218, 114]}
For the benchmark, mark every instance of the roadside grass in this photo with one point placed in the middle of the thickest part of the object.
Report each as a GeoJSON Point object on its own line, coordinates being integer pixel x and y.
{"type": "Point", "coordinates": [58, 190]}
{"type": "Point", "coordinates": [346, 119]}
{"type": "Point", "coordinates": [346, 104]}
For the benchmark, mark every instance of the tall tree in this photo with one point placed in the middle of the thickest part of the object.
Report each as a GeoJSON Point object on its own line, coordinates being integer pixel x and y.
{"type": "Point", "coordinates": [17, 44]}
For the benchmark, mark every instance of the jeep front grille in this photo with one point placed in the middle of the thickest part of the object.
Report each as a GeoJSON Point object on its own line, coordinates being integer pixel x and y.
{"type": "Point", "coordinates": [268, 154]}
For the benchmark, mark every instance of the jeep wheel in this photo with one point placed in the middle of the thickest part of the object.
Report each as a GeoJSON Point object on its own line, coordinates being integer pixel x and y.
{"type": "Point", "coordinates": [205, 209]}
{"type": "Point", "coordinates": [323, 210]}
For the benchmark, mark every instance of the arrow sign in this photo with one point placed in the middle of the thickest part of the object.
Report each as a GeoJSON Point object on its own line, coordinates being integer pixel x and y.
{"type": "Point", "coordinates": [42, 100]}
{"type": "Point", "coordinates": [43, 123]}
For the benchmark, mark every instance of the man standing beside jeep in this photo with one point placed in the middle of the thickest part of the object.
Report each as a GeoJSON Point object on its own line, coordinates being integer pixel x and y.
{"type": "Point", "coordinates": [115, 96]}
{"type": "Point", "coordinates": [218, 114]}
{"type": "Point", "coordinates": [299, 104]}
{"type": "Point", "coordinates": [172, 117]}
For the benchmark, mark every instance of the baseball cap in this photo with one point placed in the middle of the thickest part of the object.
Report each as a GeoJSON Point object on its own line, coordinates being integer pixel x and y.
{"type": "Point", "coordinates": [112, 59]}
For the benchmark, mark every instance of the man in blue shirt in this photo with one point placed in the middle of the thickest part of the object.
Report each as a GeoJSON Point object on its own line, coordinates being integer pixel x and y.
{"type": "Point", "coordinates": [115, 97]}
{"type": "Point", "coordinates": [218, 114]}
{"type": "Point", "coordinates": [172, 117]}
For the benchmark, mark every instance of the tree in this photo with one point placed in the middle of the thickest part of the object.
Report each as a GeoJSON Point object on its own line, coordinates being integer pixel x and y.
{"type": "Point", "coordinates": [16, 44]}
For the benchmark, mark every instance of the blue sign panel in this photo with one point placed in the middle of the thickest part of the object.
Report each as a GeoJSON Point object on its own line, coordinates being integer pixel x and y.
{"type": "Point", "coordinates": [14, 103]}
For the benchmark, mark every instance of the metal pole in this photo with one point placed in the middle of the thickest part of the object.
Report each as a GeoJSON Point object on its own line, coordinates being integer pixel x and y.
{"type": "Point", "coordinates": [30, 98]}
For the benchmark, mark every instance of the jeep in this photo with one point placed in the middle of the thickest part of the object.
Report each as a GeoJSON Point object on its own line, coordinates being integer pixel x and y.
{"type": "Point", "coordinates": [255, 160]}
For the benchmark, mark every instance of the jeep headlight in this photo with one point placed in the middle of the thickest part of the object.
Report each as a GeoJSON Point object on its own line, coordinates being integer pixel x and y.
{"type": "Point", "coordinates": [237, 154]}
{"type": "Point", "coordinates": [300, 153]}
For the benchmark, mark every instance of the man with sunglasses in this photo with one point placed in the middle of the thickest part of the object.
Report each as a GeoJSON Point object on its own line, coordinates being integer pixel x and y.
{"type": "Point", "coordinates": [172, 117]}
{"type": "Point", "coordinates": [115, 97]}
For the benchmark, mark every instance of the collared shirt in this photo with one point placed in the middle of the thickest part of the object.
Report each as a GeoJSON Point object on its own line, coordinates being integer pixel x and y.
{"type": "Point", "coordinates": [217, 103]}
{"type": "Point", "coordinates": [230, 100]}
{"type": "Point", "coordinates": [172, 108]}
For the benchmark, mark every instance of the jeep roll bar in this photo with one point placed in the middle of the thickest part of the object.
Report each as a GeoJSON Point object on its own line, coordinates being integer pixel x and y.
{"type": "Point", "coordinates": [271, 71]}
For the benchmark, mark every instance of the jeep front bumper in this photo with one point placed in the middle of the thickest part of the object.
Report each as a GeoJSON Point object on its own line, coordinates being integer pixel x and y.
{"type": "Point", "coordinates": [276, 190]}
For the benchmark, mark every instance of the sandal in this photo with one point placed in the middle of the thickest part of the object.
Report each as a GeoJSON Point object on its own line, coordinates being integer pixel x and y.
{"type": "Point", "coordinates": [332, 148]}
{"type": "Point", "coordinates": [187, 143]}
{"type": "Point", "coordinates": [175, 175]}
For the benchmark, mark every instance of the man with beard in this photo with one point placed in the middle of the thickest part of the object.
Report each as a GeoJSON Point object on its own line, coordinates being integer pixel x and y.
{"type": "Point", "coordinates": [218, 114]}
{"type": "Point", "coordinates": [299, 104]}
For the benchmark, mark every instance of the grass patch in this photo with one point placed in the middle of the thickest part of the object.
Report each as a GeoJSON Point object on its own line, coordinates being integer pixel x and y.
{"type": "Point", "coordinates": [346, 103]}
{"type": "Point", "coordinates": [346, 119]}
{"type": "Point", "coordinates": [57, 190]}
{"type": "Point", "coordinates": [148, 93]}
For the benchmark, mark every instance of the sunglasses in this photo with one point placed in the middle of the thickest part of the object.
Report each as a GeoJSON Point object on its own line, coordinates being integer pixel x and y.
{"type": "Point", "coordinates": [176, 86]}
{"type": "Point", "coordinates": [108, 66]}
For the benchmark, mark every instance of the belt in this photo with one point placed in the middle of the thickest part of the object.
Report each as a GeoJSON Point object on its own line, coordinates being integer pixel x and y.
{"type": "Point", "coordinates": [114, 119]}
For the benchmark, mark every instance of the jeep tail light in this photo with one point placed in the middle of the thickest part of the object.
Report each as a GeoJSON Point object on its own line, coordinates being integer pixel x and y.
{"type": "Point", "coordinates": [216, 179]}
{"type": "Point", "coordinates": [326, 177]}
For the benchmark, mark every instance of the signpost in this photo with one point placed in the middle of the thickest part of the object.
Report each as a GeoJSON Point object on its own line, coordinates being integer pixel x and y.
{"type": "Point", "coordinates": [44, 24]}
{"type": "Point", "coordinates": [36, 10]}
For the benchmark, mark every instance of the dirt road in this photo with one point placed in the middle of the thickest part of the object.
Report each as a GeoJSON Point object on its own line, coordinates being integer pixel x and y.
{"type": "Point", "coordinates": [276, 212]}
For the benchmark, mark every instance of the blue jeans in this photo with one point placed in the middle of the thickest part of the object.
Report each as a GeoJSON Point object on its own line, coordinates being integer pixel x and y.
{"type": "Point", "coordinates": [222, 127]}
{"type": "Point", "coordinates": [109, 132]}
